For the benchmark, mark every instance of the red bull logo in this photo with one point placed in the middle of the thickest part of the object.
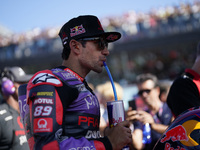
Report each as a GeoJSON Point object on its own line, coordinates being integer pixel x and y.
{"type": "Point", "coordinates": [177, 133]}
{"type": "Point", "coordinates": [116, 121]}
{"type": "Point", "coordinates": [77, 30]}
{"type": "Point", "coordinates": [168, 147]}
{"type": "Point", "coordinates": [115, 112]}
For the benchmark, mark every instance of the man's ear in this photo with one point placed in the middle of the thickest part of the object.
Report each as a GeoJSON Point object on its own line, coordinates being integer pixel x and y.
{"type": "Point", "coordinates": [75, 46]}
{"type": "Point", "coordinates": [158, 89]}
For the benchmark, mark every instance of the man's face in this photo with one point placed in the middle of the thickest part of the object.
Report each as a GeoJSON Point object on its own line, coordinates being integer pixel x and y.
{"type": "Point", "coordinates": [17, 84]}
{"type": "Point", "coordinates": [148, 92]}
{"type": "Point", "coordinates": [93, 56]}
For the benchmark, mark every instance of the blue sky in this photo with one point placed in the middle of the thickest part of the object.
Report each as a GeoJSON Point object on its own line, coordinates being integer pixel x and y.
{"type": "Point", "coordinates": [23, 15]}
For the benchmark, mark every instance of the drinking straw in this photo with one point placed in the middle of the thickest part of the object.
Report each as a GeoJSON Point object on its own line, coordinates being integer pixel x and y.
{"type": "Point", "coordinates": [111, 80]}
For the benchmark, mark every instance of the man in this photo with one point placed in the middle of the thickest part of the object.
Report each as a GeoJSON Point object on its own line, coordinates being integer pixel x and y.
{"type": "Point", "coordinates": [12, 133]}
{"type": "Point", "coordinates": [63, 109]}
{"type": "Point", "coordinates": [184, 92]}
{"type": "Point", "coordinates": [158, 114]}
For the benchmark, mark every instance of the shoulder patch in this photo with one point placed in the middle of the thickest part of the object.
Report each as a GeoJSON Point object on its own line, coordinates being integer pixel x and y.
{"type": "Point", "coordinates": [44, 77]}
{"type": "Point", "coordinates": [3, 111]}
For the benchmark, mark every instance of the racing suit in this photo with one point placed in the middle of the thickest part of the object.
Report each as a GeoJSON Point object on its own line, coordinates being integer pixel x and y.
{"type": "Point", "coordinates": [62, 112]}
{"type": "Point", "coordinates": [12, 135]}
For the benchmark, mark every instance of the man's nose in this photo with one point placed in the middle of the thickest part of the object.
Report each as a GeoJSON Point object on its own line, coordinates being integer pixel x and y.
{"type": "Point", "coordinates": [105, 51]}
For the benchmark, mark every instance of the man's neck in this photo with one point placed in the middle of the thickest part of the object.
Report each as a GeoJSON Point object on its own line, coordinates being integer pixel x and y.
{"type": "Point", "coordinates": [13, 103]}
{"type": "Point", "coordinates": [75, 67]}
{"type": "Point", "coordinates": [156, 107]}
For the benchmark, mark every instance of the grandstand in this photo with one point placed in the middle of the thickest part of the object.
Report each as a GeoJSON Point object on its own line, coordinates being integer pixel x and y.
{"type": "Point", "coordinates": [162, 41]}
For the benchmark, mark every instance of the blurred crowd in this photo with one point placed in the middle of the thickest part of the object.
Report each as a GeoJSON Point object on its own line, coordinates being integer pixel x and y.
{"type": "Point", "coordinates": [133, 25]}
{"type": "Point", "coordinates": [157, 22]}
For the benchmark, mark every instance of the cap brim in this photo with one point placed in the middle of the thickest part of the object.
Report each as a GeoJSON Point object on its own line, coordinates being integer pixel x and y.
{"type": "Point", "coordinates": [24, 78]}
{"type": "Point", "coordinates": [109, 36]}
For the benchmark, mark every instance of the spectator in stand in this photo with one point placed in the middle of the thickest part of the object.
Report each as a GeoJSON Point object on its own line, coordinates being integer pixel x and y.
{"type": "Point", "coordinates": [158, 115]}
{"type": "Point", "coordinates": [184, 92]}
{"type": "Point", "coordinates": [12, 133]}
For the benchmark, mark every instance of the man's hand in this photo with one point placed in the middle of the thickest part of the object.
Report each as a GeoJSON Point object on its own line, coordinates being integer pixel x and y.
{"type": "Point", "coordinates": [145, 117]}
{"type": "Point", "coordinates": [142, 116]}
{"type": "Point", "coordinates": [119, 135]}
{"type": "Point", "coordinates": [132, 115]}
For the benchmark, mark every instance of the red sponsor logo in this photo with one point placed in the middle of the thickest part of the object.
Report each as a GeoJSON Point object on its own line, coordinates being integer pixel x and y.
{"type": "Point", "coordinates": [64, 35]}
{"type": "Point", "coordinates": [116, 121]}
{"type": "Point", "coordinates": [177, 133]}
{"type": "Point", "coordinates": [20, 132]}
{"type": "Point", "coordinates": [43, 125]}
{"type": "Point", "coordinates": [112, 37]}
{"type": "Point", "coordinates": [19, 122]}
{"type": "Point", "coordinates": [43, 101]}
{"type": "Point", "coordinates": [168, 147]}
{"type": "Point", "coordinates": [74, 74]}
{"type": "Point", "coordinates": [89, 120]}
{"type": "Point", "coordinates": [77, 30]}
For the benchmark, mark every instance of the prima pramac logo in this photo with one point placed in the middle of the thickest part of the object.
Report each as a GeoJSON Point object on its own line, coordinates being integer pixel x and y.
{"type": "Point", "coordinates": [43, 125]}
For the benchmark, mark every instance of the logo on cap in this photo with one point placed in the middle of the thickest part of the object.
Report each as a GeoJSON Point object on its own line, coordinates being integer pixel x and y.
{"type": "Point", "coordinates": [77, 30]}
{"type": "Point", "coordinates": [112, 37]}
{"type": "Point", "coordinates": [64, 38]}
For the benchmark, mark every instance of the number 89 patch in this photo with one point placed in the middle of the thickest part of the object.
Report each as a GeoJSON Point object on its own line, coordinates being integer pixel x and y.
{"type": "Point", "coordinates": [42, 111]}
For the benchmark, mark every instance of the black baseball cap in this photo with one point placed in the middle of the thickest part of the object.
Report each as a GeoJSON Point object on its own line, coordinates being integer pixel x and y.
{"type": "Point", "coordinates": [85, 26]}
{"type": "Point", "coordinates": [16, 74]}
